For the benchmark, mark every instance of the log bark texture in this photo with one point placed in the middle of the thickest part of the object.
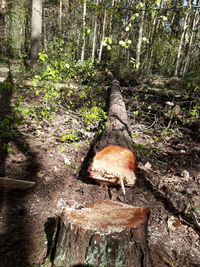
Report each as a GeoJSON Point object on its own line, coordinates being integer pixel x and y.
{"type": "Point", "coordinates": [117, 131]}
{"type": "Point", "coordinates": [103, 234]}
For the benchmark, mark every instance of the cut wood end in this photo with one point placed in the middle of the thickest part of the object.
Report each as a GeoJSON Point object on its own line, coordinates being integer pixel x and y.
{"type": "Point", "coordinates": [108, 216]}
{"type": "Point", "coordinates": [9, 184]}
{"type": "Point", "coordinates": [114, 165]}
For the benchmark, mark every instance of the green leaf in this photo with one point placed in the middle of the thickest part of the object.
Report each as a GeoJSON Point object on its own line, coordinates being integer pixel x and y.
{"type": "Point", "coordinates": [26, 111]}
{"type": "Point", "coordinates": [109, 40]}
{"type": "Point", "coordinates": [153, 13]}
{"type": "Point", "coordinates": [164, 18]}
{"type": "Point", "coordinates": [63, 138]}
{"type": "Point", "coordinates": [136, 15]}
{"type": "Point", "coordinates": [62, 149]}
{"type": "Point", "coordinates": [157, 2]}
{"type": "Point", "coordinates": [144, 39]}
{"type": "Point", "coordinates": [7, 148]}
{"type": "Point", "coordinates": [134, 135]}
{"type": "Point", "coordinates": [139, 5]}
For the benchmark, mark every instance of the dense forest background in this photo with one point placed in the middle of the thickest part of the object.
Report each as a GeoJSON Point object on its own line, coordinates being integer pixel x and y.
{"type": "Point", "coordinates": [128, 37]}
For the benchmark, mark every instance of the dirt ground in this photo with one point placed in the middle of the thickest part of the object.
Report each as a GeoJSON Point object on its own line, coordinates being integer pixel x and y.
{"type": "Point", "coordinates": [168, 183]}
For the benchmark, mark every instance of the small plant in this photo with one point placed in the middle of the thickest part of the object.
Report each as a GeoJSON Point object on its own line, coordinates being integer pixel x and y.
{"type": "Point", "coordinates": [7, 148]}
{"type": "Point", "coordinates": [145, 151]}
{"type": "Point", "coordinates": [134, 135]}
{"type": "Point", "coordinates": [195, 112]}
{"type": "Point", "coordinates": [69, 137]}
{"type": "Point", "coordinates": [91, 117]}
{"type": "Point", "coordinates": [62, 149]}
{"type": "Point", "coordinates": [58, 66]}
{"type": "Point", "coordinates": [7, 126]}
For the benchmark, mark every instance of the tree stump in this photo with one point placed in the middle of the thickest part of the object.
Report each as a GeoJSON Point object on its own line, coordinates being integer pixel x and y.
{"type": "Point", "coordinates": [114, 162]}
{"type": "Point", "coordinates": [103, 234]}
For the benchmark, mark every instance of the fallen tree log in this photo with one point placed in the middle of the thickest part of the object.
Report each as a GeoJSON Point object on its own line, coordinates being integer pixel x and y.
{"type": "Point", "coordinates": [103, 234]}
{"type": "Point", "coordinates": [114, 162]}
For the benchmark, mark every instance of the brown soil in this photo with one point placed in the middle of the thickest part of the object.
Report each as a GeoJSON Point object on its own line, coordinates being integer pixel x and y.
{"type": "Point", "coordinates": [168, 183]}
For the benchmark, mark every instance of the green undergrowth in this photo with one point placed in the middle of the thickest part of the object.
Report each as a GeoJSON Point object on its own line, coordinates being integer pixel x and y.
{"type": "Point", "coordinates": [10, 116]}
{"type": "Point", "coordinates": [63, 85]}
{"type": "Point", "coordinates": [62, 82]}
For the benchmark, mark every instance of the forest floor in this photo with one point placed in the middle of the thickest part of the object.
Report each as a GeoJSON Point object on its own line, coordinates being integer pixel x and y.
{"type": "Point", "coordinates": [168, 179]}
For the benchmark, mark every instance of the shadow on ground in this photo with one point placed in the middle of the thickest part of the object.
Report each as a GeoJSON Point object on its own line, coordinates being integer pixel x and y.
{"type": "Point", "coordinates": [14, 237]}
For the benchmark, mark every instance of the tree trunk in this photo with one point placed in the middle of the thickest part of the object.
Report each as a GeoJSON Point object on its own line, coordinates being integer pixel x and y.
{"type": "Point", "coordinates": [111, 19]}
{"type": "Point", "coordinates": [60, 15]}
{"type": "Point", "coordinates": [103, 34]}
{"type": "Point", "coordinates": [103, 234]}
{"type": "Point", "coordinates": [114, 162]}
{"type": "Point", "coordinates": [36, 31]}
{"type": "Point", "coordinates": [146, 66]}
{"type": "Point", "coordinates": [84, 28]}
{"type": "Point", "coordinates": [139, 43]}
{"type": "Point", "coordinates": [117, 130]}
{"type": "Point", "coordinates": [2, 4]}
{"type": "Point", "coordinates": [94, 36]}
{"type": "Point", "coordinates": [188, 55]}
{"type": "Point", "coordinates": [17, 19]}
{"type": "Point", "coordinates": [2, 27]}
{"type": "Point", "coordinates": [185, 24]}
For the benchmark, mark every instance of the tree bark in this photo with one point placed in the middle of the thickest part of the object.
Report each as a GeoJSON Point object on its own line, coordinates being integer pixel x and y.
{"type": "Point", "coordinates": [103, 34]}
{"type": "Point", "coordinates": [117, 131]}
{"type": "Point", "coordinates": [94, 35]}
{"type": "Point", "coordinates": [146, 66]}
{"type": "Point", "coordinates": [111, 19]}
{"type": "Point", "coordinates": [84, 28]}
{"type": "Point", "coordinates": [36, 31]}
{"type": "Point", "coordinates": [17, 25]}
{"type": "Point", "coordinates": [188, 55]}
{"type": "Point", "coordinates": [2, 4]}
{"type": "Point", "coordinates": [60, 15]}
{"type": "Point", "coordinates": [185, 25]}
{"type": "Point", "coordinates": [139, 43]}
{"type": "Point", "coordinates": [103, 234]}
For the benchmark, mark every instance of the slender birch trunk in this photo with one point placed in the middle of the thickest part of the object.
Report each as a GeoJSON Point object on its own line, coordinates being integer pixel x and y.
{"type": "Point", "coordinates": [103, 34]}
{"type": "Point", "coordinates": [94, 36]}
{"type": "Point", "coordinates": [45, 30]}
{"type": "Point", "coordinates": [16, 22]}
{"type": "Point", "coordinates": [178, 59]}
{"type": "Point", "coordinates": [149, 52]}
{"type": "Point", "coordinates": [84, 28]}
{"type": "Point", "coordinates": [60, 15]}
{"type": "Point", "coordinates": [194, 23]}
{"type": "Point", "coordinates": [2, 4]}
{"type": "Point", "coordinates": [139, 43]}
{"type": "Point", "coordinates": [111, 18]}
{"type": "Point", "coordinates": [36, 31]}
